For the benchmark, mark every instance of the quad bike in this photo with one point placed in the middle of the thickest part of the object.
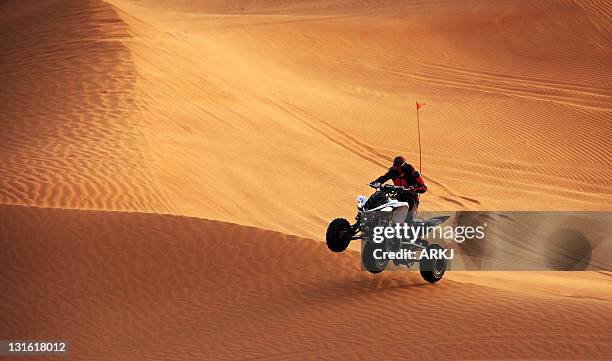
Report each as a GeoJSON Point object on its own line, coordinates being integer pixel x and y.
{"type": "Point", "coordinates": [383, 209]}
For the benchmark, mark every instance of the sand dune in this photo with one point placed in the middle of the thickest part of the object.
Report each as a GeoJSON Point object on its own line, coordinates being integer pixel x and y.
{"type": "Point", "coordinates": [275, 114]}
{"type": "Point", "coordinates": [517, 113]}
{"type": "Point", "coordinates": [70, 127]}
{"type": "Point", "coordinates": [272, 116]}
{"type": "Point", "coordinates": [125, 286]}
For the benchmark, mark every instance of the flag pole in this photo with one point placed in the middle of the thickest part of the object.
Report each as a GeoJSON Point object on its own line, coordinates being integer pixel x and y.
{"type": "Point", "coordinates": [418, 106]}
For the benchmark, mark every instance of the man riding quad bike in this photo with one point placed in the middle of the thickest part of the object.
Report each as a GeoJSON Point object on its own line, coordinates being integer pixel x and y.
{"type": "Point", "coordinates": [404, 175]}
{"type": "Point", "coordinates": [390, 205]}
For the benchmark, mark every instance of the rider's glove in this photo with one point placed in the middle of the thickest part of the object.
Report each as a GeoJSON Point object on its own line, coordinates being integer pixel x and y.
{"type": "Point", "coordinates": [375, 185]}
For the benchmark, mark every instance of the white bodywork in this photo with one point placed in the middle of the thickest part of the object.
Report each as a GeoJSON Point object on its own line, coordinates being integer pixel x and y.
{"type": "Point", "coordinates": [361, 201]}
{"type": "Point", "coordinates": [399, 209]}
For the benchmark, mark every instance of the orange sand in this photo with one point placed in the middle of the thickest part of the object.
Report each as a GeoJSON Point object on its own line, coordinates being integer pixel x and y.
{"type": "Point", "coordinates": [275, 115]}
{"type": "Point", "coordinates": [136, 286]}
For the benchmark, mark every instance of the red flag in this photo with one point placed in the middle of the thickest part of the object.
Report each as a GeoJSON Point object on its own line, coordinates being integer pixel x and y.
{"type": "Point", "coordinates": [419, 106]}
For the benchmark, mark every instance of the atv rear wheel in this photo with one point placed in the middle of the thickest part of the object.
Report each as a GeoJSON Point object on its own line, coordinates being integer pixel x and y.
{"type": "Point", "coordinates": [338, 236]}
{"type": "Point", "coordinates": [432, 270]}
{"type": "Point", "coordinates": [370, 263]}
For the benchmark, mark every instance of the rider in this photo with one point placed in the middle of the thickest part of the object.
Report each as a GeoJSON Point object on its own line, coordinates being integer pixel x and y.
{"type": "Point", "coordinates": [403, 174]}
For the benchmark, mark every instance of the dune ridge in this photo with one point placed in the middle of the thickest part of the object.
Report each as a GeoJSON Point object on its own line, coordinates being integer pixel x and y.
{"type": "Point", "coordinates": [170, 287]}
{"type": "Point", "coordinates": [70, 125]}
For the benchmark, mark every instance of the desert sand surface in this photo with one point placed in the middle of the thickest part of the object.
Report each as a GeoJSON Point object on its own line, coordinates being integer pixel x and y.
{"type": "Point", "coordinates": [169, 169]}
{"type": "Point", "coordinates": [137, 286]}
{"type": "Point", "coordinates": [277, 114]}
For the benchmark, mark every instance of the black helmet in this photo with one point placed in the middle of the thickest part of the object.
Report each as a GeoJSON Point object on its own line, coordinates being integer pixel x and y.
{"type": "Point", "coordinates": [398, 161]}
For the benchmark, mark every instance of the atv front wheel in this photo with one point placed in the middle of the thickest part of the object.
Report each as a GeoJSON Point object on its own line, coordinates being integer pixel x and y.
{"type": "Point", "coordinates": [432, 270]}
{"type": "Point", "coordinates": [338, 236]}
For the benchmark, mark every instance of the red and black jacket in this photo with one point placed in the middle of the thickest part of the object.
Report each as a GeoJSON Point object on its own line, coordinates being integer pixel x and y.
{"type": "Point", "coordinates": [407, 177]}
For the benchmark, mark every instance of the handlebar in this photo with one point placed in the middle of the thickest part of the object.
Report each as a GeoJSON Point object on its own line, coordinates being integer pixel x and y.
{"type": "Point", "coordinates": [391, 187]}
